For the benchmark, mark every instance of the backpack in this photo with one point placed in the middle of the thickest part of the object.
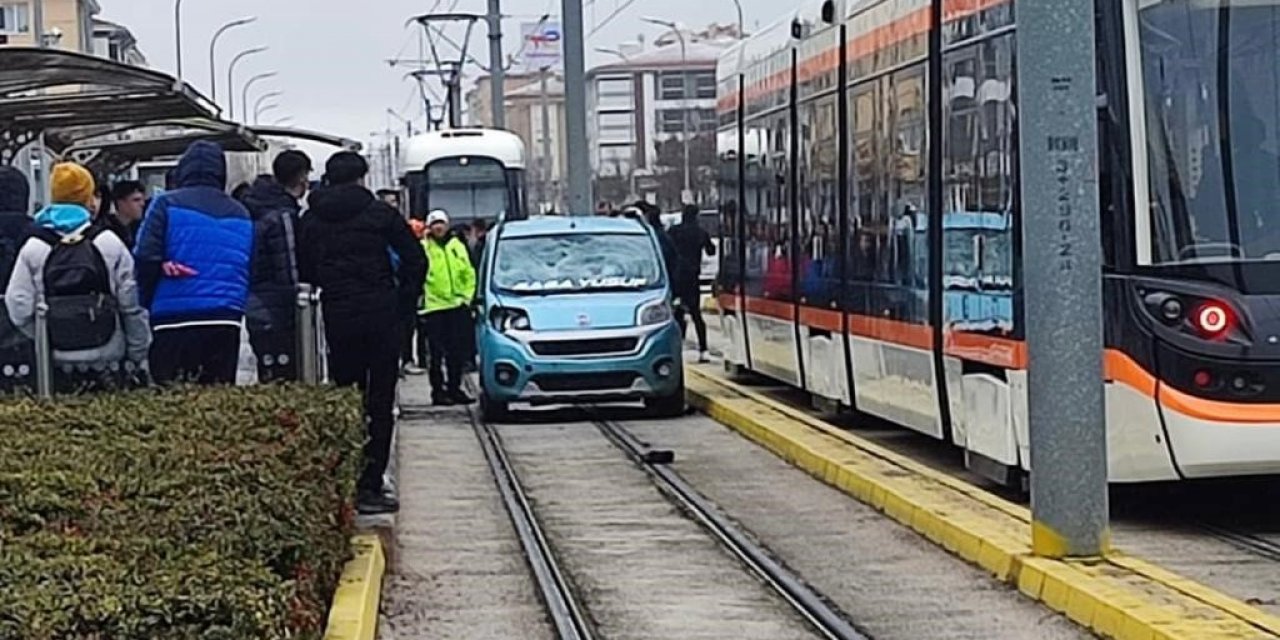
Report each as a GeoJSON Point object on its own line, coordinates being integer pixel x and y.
{"type": "Point", "coordinates": [83, 311]}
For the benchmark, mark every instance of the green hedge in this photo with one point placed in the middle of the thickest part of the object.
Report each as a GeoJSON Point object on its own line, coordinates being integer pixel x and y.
{"type": "Point", "coordinates": [188, 513]}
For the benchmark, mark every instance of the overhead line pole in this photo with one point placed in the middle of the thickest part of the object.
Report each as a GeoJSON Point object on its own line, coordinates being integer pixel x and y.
{"type": "Point", "coordinates": [575, 100]}
{"type": "Point", "coordinates": [497, 69]}
{"type": "Point", "coordinates": [1058, 129]}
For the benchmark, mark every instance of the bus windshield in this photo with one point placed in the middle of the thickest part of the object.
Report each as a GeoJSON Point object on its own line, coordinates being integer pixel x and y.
{"type": "Point", "coordinates": [1211, 74]}
{"type": "Point", "coordinates": [573, 263]}
{"type": "Point", "coordinates": [467, 188]}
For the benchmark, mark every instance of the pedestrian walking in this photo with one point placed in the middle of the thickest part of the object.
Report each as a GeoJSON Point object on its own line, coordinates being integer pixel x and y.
{"type": "Point", "coordinates": [446, 309]}
{"type": "Point", "coordinates": [193, 255]}
{"type": "Point", "coordinates": [691, 241]}
{"type": "Point", "coordinates": [344, 244]}
{"type": "Point", "coordinates": [84, 274]}
{"type": "Point", "coordinates": [271, 317]}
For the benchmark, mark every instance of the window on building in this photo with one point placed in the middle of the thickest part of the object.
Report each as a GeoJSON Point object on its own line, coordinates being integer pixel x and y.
{"type": "Point", "coordinates": [14, 18]}
{"type": "Point", "coordinates": [616, 160]}
{"type": "Point", "coordinates": [700, 120]}
{"type": "Point", "coordinates": [615, 93]}
{"type": "Point", "coordinates": [616, 127]}
{"type": "Point", "coordinates": [704, 85]}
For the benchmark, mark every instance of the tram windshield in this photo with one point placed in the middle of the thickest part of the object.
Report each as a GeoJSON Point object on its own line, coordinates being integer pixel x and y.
{"type": "Point", "coordinates": [468, 188]}
{"type": "Point", "coordinates": [1211, 70]}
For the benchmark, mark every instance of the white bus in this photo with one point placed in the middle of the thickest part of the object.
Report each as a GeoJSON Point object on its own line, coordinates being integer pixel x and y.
{"type": "Point", "coordinates": [469, 173]}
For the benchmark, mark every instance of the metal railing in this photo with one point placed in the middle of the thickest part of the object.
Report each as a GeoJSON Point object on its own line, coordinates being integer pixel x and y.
{"type": "Point", "coordinates": [312, 349]}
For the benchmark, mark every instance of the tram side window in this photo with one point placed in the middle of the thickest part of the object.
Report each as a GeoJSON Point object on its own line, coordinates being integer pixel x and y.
{"type": "Point", "coordinates": [980, 185]}
{"type": "Point", "coordinates": [864, 210]}
{"type": "Point", "coordinates": [819, 193]}
{"type": "Point", "coordinates": [908, 186]}
{"type": "Point", "coordinates": [730, 251]}
{"type": "Point", "coordinates": [778, 268]}
{"type": "Point", "coordinates": [755, 210]}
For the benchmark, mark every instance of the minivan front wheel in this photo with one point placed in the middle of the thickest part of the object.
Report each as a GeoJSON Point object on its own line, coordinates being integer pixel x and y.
{"type": "Point", "coordinates": [668, 406]}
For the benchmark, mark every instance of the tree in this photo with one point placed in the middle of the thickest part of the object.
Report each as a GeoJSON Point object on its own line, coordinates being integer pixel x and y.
{"type": "Point", "coordinates": [669, 168]}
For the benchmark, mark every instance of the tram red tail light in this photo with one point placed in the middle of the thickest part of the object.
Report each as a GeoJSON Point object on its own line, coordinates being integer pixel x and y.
{"type": "Point", "coordinates": [1205, 379]}
{"type": "Point", "coordinates": [1212, 319]}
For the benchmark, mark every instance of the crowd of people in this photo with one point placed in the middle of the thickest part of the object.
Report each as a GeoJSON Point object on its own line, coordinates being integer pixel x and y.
{"type": "Point", "coordinates": [139, 292]}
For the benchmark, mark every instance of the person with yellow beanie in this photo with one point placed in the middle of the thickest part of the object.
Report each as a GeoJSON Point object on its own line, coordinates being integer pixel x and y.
{"type": "Point", "coordinates": [97, 328]}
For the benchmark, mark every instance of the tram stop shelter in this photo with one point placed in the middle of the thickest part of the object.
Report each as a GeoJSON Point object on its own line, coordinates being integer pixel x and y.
{"type": "Point", "coordinates": [63, 98]}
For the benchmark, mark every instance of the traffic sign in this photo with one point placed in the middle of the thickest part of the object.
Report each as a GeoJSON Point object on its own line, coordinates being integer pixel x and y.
{"type": "Point", "coordinates": [542, 44]}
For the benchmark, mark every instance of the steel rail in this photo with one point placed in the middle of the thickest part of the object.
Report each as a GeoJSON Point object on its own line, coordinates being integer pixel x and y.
{"type": "Point", "coordinates": [566, 613]}
{"type": "Point", "coordinates": [821, 615]}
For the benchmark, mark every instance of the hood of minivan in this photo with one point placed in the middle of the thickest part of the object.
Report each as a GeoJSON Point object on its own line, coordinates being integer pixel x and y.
{"type": "Point", "coordinates": [579, 311]}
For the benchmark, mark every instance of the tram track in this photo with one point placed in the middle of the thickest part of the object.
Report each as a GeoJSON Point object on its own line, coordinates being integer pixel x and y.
{"type": "Point", "coordinates": [811, 606]}
{"type": "Point", "coordinates": [1251, 543]}
{"type": "Point", "coordinates": [566, 612]}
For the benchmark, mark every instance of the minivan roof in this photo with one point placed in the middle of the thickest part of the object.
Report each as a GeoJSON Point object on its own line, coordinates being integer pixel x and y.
{"type": "Point", "coordinates": [560, 225]}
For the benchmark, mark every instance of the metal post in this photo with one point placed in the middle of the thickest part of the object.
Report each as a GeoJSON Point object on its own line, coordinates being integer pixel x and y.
{"type": "Point", "coordinates": [177, 33]}
{"type": "Point", "coordinates": [497, 71]}
{"type": "Point", "coordinates": [548, 171]}
{"type": "Point", "coordinates": [686, 196]}
{"type": "Point", "coordinates": [244, 94]}
{"type": "Point", "coordinates": [575, 101]}
{"type": "Point", "coordinates": [1063, 270]}
{"type": "Point", "coordinates": [308, 353]}
{"type": "Point", "coordinates": [44, 352]}
{"type": "Point", "coordinates": [742, 28]}
{"type": "Point", "coordinates": [37, 23]}
{"type": "Point", "coordinates": [231, 78]}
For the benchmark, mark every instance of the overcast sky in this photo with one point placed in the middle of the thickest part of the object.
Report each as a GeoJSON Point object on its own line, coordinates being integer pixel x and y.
{"type": "Point", "coordinates": [331, 53]}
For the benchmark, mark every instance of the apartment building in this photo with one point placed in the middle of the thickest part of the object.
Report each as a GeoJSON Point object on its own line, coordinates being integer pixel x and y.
{"type": "Point", "coordinates": [68, 24]}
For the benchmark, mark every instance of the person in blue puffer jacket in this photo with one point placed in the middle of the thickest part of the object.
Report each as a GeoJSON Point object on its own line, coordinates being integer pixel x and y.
{"type": "Point", "coordinates": [193, 260]}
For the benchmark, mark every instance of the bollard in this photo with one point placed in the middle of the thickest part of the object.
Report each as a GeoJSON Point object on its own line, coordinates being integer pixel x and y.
{"type": "Point", "coordinates": [308, 353]}
{"type": "Point", "coordinates": [44, 352]}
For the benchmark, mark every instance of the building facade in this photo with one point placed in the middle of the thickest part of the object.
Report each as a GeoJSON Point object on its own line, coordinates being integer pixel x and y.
{"type": "Point", "coordinates": [642, 110]}
{"type": "Point", "coordinates": [68, 24]}
{"type": "Point", "coordinates": [545, 146]}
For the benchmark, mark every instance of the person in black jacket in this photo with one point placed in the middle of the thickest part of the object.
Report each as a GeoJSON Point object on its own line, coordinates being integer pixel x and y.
{"type": "Point", "coordinates": [273, 203]}
{"type": "Point", "coordinates": [127, 202]}
{"type": "Point", "coordinates": [347, 239]}
{"type": "Point", "coordinates": [17, 352]}
{"type": "Point", "coordinates": [691, 241]}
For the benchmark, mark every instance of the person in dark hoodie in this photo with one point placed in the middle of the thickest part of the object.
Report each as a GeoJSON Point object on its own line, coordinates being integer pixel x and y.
{"type": "Point", "coordinates": [274, 204]}
{"type": "Point", "coordinates": [344, 240]}
{"type": "Point", "coordinates": [691, 241]}
{"type": "Point", "coordinates": [193, 256]}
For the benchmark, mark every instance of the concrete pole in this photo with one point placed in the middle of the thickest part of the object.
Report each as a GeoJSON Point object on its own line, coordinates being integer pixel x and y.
{"type": "Point", "coordinates": [1063, 270]}
{"type": "Point", "coordinates": [575, 101]}
{"type": "Point", "coordinates": [548, 165]}
{"type": "Point", "coordinates": [497, 71]}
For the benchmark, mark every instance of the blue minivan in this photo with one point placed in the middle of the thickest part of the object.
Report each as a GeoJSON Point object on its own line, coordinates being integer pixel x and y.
{"type": "Point", "coordinates": [577, 310]}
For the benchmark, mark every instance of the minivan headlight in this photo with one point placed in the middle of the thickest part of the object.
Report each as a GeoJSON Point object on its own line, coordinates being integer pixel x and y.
{"type": "Point", "coordinates": [506, 319]}
{"type": "Point", "coordinates": [656, 312]}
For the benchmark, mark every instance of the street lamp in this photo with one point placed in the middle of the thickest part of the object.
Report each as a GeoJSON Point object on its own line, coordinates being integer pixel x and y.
{"type": "Point", "coordinates": [259, 108]}
{"type": "Point", "coordinates": [231, 74]}
{"type": "Point", "coordinates": [283, 121]}
{"type": "Point", "coordinates": [244, 93]}
{"type": "Point", "coordinates": [614, 52]}
{"type": "Point", "coordinates": [742, 33]}
{"type": "Point", "coordinates": [213, 44]}
{"type": "Point", "coordinates": [684, 107]}
{"type": "Point", "coordinates": [257, 116]}
{"type": "Point", "coordinates": [408, 124]}
{"type": "Point", "coordinates": [177, 32]}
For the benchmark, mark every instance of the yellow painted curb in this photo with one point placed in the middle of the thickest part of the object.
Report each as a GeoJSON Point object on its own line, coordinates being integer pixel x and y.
{"type": "Point", "coordinates": [354, 615]}
{"type": "Point", "coordinates": [1118, 597]}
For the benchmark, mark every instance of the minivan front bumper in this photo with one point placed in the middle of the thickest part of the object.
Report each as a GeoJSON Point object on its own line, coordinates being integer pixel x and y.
{"type": "Point", "coordinates": [566, 367]}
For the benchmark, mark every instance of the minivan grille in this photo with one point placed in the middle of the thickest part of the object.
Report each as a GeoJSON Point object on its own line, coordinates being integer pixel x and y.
{"type": "Point", "coordinates": [584, 347]}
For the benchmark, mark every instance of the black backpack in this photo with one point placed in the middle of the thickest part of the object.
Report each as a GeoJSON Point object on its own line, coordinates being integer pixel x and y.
{"type": "Point", "coordinates": [83, 312]}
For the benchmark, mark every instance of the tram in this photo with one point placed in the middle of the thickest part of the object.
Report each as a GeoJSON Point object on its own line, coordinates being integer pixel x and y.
{"type": "Point", "coordinates": [872, 225]}
{"type": "Point", "coordinates": [469, 173]}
